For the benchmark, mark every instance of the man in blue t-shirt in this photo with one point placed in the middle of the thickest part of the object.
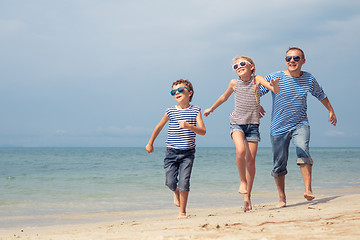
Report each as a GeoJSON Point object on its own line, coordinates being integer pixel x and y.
{"type": "Point", "coordinates": [289, 120]}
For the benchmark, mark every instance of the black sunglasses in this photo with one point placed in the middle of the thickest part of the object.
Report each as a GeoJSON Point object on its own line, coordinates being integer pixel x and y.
{"type": "Point", "coordinates": [296, 58]}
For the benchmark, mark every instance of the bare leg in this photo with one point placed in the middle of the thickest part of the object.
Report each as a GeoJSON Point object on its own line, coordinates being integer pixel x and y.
{"type": "Point", "coordinates": [306, 170]}
{"type": "Point", "coordinates": [176, 198]}
{"type": "Point", "coordinates": [238, 138]}
{"type": "Point", "coordinates": [251, 150]}
{"type": "Point", "coordinates": [183, 202]}
{"type": "Point", "coordinates": [280, 184]}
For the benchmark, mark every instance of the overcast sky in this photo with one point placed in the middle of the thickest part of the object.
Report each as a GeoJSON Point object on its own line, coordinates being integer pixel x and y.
{"type": "Point", "coordinates": [98, 73]}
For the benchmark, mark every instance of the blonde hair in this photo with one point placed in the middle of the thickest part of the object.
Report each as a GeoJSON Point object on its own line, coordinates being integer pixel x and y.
{"type": "Point", "coordinates": [257, 86]}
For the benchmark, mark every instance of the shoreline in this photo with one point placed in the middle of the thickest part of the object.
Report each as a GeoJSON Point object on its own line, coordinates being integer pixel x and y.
{"type": "Point", "coordinates": [334, 214]}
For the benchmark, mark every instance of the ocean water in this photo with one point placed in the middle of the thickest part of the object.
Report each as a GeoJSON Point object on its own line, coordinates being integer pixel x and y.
{"type": "Point", "coordinates": [37, 182]}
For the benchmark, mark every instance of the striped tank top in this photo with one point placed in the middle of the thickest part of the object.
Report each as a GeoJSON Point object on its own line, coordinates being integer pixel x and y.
{"type": "Point", "coordinates": [246, 109]}
{"type": "Point", "coordinates": [181, 138]}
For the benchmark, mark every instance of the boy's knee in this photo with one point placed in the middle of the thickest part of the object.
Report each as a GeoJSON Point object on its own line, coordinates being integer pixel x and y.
{"type": "Point", "coordinates": [171, 182]}
{"type": "Point", "coordinates": [171, 185]}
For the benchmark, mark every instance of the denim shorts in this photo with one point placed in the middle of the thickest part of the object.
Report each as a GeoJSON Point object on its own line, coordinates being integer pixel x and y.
{"type": "Point", "coordinates": [178, 165]}
{"type": "Point", "coordinates": [250, 131]}
{"type": "Point", "coordinates": [280, 145]}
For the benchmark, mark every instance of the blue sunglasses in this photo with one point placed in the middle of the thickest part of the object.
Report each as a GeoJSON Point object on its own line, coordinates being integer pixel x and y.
{"type": "Point", "coordinates": [180, 90]}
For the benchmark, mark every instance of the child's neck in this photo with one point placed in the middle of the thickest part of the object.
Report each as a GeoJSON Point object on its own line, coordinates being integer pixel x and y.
{"type": "Point", "coordinates": [246, 78]}
{"type": "Point", "coordinates": [183, 105]}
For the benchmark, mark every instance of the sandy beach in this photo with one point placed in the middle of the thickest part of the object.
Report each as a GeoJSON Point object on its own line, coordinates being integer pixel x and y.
{"type": "Point", "coordinates": [331, 215]}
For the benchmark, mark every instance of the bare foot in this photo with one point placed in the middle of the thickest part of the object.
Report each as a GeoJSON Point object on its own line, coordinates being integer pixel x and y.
{"type": "Point", "coordinates": [247, 204]}
{"type": "Point", "coordinates": [309, 196]}
{"type": "Point", "coordinates": [176, 199]}
{"type": "Point", "coordinates": [282, 203]}
{"type": "Point", "coordinates": [242, 188]}
{"type": "Point", "coordinates": [182, 216]}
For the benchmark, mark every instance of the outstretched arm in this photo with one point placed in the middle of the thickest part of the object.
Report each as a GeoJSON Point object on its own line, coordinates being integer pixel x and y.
{"type": "Point", "coordinates": [149, 147]}
{"type": "Point", "coordinates": [273, 85]}
{"type": "Point", "coordinates": [332, 116]}
{"type": "Point", "coordinates": [223, 98]}
{"type": "Point", "coordinates": [199, 129]}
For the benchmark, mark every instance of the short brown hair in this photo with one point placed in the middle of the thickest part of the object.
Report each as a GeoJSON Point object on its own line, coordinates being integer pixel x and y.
{"type": "Point", "coordinates": [187, 83]}
{"type": "Point", "coordinates": [296, 48]}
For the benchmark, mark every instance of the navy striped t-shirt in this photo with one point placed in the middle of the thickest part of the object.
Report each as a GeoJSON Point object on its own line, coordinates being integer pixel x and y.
{"type": "Point", "coordinates": [289, 106]}
{"type": "Point", "coordinates": [181, 138]}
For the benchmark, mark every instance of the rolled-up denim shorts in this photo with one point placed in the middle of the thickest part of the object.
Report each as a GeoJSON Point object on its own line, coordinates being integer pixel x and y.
{"type": "Point", "coordinates": [178, 165]}
{"type": "Point", "coordinates": [250, 131]}
{"type": "Point", "coordinates": [300, 137]}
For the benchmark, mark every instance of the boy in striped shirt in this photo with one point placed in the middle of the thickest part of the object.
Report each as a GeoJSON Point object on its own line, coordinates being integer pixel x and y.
{"type": "Point", "coordinates": [185, 122]}
{"type": "Point", "coordinates": [289, 120]}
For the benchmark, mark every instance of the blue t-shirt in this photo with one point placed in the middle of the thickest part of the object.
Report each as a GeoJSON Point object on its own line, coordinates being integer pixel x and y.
{"type": "Point", "coordinates": [181, 138]}
{"type": "Point", "coordinates": [289, 106]}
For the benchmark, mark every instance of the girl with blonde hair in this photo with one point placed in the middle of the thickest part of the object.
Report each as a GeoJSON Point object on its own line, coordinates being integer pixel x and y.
{"type": "Point", "coordinates": [245, 119]}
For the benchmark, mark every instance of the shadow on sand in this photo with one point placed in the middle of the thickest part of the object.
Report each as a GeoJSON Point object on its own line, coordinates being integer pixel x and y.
{"type": "Point", "coordinates": [311, 203]}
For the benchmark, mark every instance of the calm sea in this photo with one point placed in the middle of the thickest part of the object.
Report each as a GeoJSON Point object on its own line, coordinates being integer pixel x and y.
{"type": "Point", "coordinates": [37, 182]}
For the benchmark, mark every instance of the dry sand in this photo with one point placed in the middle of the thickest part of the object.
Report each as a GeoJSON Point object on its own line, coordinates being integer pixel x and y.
{"type": "Point", "coordinates": [329, 216]}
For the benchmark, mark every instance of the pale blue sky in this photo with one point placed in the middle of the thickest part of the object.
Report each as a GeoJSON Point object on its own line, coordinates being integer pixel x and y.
{"type": "Point", "coordinates": [98, 73]}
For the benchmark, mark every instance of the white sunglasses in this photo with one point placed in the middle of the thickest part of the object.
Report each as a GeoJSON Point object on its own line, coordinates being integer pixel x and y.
{"type": "Point", "coordinates": [240, 64]}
